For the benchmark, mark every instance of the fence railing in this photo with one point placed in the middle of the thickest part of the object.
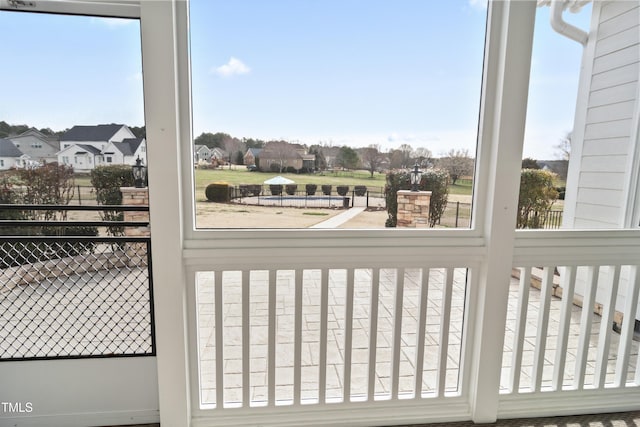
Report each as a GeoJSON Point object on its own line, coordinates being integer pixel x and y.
{"type": "Point", "coordinates": [263, 195]}
{"type": "Point", "coordinates": [368, 334]}
{"type": "Point", "coordinates": [72, 296]}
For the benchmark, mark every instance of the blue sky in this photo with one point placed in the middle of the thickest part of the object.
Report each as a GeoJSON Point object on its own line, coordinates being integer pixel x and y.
{"type": "Point", "coordinates": [353, 72]}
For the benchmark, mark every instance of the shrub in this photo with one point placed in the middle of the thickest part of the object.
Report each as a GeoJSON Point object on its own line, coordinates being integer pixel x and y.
{"type": "Point", "coordinates": [434, 180]}
{"type": "Point", "coordinates": [244, 190]}
{"type": "Point", "coordinates": [360, 190]}
{"type": "Point", "coordinates": [107, 181]}
{"type": "Point", "coordinates": [291, 189]}
{"type": "Point", "coordinates": [326, 189]}
{"type": "Point", "coordinates": [276, 189]}
{"type": "Point", "coordinates": [537, 195]}
{"type": "Point", "coordinates": [311, 189]}
{"type": "Point", "coordinates": [217, 192]}
{"type": "Point", "coordinates": [255, 189]}
{"type": "Point", "coordinates": [342, 190]}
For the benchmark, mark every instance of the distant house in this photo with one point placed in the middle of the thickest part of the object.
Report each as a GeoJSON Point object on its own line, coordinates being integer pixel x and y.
{"type": "Point", "coordinates": [81, 157]}
{"type": "Point", "coordinates": [39, 147]}
{"type": "Point", "coordinates": [11, 156]}
{"type": "Point", "coordinates": [251, 155]}
{"type": "Point", "coordinates": [86, 147]}
{"type": "Point", "coordinates": [281, 155]}
{"type": "Point", "coordinates": [202, 153]}
{"type": "Point", "coordinates": [219, 155]}
{"type": "Point", "coordinates": [125, 152]}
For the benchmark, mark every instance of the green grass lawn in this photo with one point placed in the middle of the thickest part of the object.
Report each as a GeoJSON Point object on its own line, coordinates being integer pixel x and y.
{"type": "Point", "coordinates": [204, 177]}
{"type": "Point", "coordinates": [462, 187]}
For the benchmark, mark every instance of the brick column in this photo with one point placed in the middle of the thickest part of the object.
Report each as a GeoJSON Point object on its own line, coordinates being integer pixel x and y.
{"type": "Point", "coordinates": [131, 196]}
{"type": "Point", "coordinates": [413, 208]}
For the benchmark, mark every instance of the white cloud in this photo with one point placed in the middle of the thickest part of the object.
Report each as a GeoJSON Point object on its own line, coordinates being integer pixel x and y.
{"type": "Point", "coordinates": [232, 68]}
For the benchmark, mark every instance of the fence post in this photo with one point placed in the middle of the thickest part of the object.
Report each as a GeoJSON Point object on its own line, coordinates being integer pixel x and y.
{"type": "Point", "coordinates": [457, 212]}
{"type": "Point", "coordinates": [367, 204]}
{"type": "Point", "coordinates": [79, 196]}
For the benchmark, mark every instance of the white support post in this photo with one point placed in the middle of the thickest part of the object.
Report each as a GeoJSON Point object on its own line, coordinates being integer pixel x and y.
{"type": "Point", "coordinates": [160, 74]}
{"type": "Point", "coordinates": [503, 111]}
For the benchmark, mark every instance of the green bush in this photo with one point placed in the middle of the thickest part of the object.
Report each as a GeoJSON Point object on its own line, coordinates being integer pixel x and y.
{"type": "Point", "coordinates": [107, 181]}
{"type": "Point", "coordinates": [291, 189]}
{"type": "Point", "coordinates": [537, 195]}
{"type": "Point", "coordinates": [434, 180]}
{"type": "Point", "coordinates": [276, 189]}
{"type": "Point", "coordinates": [255, 189]}
{"type": "Point", "coordinates": [217, 192]}
{"type": "Point", "coordinates": [244, 190]}
{"type": "Point", "coordinates": [326, 189]}
{"type": "Point", "coordinates": [342, 190]}
{"type": "Point", "coordinates": [311, 189]}
{"type": "Point", "coordinates": [360, 190]}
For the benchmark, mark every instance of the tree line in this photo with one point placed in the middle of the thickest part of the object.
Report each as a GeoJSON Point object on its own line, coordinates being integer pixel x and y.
{"type": "Point", "coordinates": [373, 158]}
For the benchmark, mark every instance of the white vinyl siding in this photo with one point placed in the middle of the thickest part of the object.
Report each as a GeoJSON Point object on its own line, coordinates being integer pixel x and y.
{"type": "Point", "coordinates": [606, 143]}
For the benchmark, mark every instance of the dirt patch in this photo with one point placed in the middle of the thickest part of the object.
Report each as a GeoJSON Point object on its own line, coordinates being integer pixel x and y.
{"type": "Point", "coordinates": [222, 215]}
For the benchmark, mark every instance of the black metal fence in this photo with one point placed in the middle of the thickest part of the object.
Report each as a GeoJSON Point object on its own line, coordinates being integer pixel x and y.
{"type": "Point", "coordinates": [263, 195]}
{"type": "Point", "coordinates": [73, 296]}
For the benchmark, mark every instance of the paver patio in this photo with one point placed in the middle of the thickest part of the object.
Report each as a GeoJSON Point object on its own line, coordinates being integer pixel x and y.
{"type": "Point", "coordinates": [284, 354]}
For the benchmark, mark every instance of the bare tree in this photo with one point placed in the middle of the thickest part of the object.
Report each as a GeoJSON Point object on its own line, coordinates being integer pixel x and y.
{"type": "Point", "coordinates": [280, 151]}
{"type": "Point", "coordinates": [372, 158]}
{"type": "Point", "coordinates": [564, 147]}
{"type": "Point", "coordinates": [406, 150]}
{"type": "Point", "coordinates": [458, 163]}
{"type": "Point", "coordinates": [423, 156]}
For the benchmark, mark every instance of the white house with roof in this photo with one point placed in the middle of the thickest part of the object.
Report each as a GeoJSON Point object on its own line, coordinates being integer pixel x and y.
{"type": "Point", "coordinates": [85, 147]}
{"type": "Point", "coordinates": [11, 156]}
{"type": "Point", "coordinates": [39, 147]}
{"type": "Point", "coordinates": [81, 157]}
{"type": "Point", "coordinates": [603, 182]}
{"type": "Point", "coordinates": [201, 153]}
{"type": "Point", "coordinates": [125, 152]}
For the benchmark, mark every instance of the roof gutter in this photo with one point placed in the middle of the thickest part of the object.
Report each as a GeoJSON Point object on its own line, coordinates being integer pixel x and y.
{"type": "Point", "coordinates": [563, 27]}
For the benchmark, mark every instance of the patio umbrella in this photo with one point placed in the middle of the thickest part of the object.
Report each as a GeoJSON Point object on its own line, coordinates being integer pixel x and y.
{"type": "Point", "coordinates": [278, 180]}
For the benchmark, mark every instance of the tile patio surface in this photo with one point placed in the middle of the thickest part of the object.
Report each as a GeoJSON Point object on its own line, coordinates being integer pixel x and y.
{"type": "Point", "coordinates": [335, 382]}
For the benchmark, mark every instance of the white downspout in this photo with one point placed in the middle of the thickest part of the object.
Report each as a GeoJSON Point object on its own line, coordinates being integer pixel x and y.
{"type": "Point", "coordinates": [563, 27]}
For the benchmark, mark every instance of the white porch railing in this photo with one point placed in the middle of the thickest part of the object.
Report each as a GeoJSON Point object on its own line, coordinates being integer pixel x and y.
{"type": "Point", "coordinates": [569, 338]}
{"type": "Point", "coordinates": [287, 338]}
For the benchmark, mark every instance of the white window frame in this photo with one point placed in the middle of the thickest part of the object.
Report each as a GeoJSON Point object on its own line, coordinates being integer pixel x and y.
{"type": "Point", "coordinates": [229, 238]}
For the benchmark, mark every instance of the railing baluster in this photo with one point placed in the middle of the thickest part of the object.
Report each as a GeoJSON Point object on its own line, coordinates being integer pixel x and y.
{"type": "Point", "coordinates": [348, 334]}
{"type": "Point", "coordinates": [297, 361]}
{"type": "Point", "coordinates": [373, 332]}
{"type": "Point", "coordinates": [421, 329]}
{"type": "Point", "coordinates": [322, 360]}
{"type": "Point", "coordinates": [246, 339]}
{"type": "Point", "coordinates": [445, 321]}
{"type": "Point", "coordinates": [397, 333]}
{"type": "Point", "coordinates": [219, 310]}
{"type": "Point", "coordinates": [628, 323]}
{"type": "Point", "coordinates": [271, 358]}
{"type": "Point", "coordinates": [520, 327]}
{"type": "Point", "coordinates": [543, 324]}
{"type": "Point", "coordinates": [586, 320]}
{"type": "Point", "coordinates": [568, 287]}
{"type": "Point", "coordinates": [604, 339]}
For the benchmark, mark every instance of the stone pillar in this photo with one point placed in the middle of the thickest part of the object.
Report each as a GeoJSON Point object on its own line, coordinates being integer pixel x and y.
{"type": "Point", "coordinates": [131, 196]}
{"type": "Point", "coordinates": [413, 208]}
